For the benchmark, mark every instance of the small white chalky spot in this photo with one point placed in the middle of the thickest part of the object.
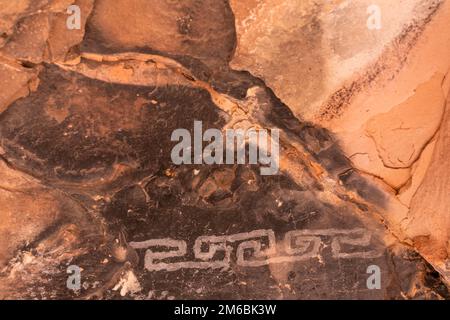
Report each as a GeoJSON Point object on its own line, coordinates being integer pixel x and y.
{"type": "Point", "coordinates": [128, 284]}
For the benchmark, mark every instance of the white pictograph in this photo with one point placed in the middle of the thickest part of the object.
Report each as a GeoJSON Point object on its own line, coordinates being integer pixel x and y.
{"type": "Point", "coordinates": [255, 249]}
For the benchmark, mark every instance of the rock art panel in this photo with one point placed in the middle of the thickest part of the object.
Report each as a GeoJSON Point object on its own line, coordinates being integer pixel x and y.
{"type": "Point", "coordinates": [351, 95]}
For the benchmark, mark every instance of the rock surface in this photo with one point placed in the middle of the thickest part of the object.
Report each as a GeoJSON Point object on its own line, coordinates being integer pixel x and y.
{"type": "Point", "coordinates": [85, 149]}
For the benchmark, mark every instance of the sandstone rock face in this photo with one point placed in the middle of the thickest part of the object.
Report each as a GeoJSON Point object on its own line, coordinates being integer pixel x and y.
{"type": "Point", "coordinates": [400, 145]}
{"type": "Point", "coordinates": [429, 222]}
{"type": "Point", "coordinates": [35, 208]}
{"type": "Point", "coordinates": [18, 79]}
{"type": "Point", "coordinates": [197, 29]}
{"type": "Point", "coordinates": [307, 51]}
{"type": "Point", "coordinates": [40, 33]}
{"type": "Point", "coordinates": [382, 91]}
{"type": "Point", "coordinates": [359, 94]}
